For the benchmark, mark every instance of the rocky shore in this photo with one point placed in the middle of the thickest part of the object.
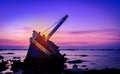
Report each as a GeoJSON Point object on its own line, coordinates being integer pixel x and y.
{"type": "Point", "coordinates": [15, 66]}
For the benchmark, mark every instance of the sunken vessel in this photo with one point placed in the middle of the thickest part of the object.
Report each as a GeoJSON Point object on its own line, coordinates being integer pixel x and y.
{"type": "Point", "coordinates": [43, 56]}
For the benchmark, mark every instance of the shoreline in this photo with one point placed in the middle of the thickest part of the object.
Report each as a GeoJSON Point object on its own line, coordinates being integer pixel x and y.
{"type": "Point", "coordinates": [16, 66]}
{"type": "Point", "coordinates": [67, 70]}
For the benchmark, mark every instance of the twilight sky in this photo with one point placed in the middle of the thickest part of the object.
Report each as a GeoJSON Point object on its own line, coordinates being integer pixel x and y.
{"type": "Point", "coordinates": [91, 23]}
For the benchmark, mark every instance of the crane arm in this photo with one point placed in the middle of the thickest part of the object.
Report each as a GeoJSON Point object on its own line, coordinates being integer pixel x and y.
{"type": "Point", "coordinates": [56, 27]}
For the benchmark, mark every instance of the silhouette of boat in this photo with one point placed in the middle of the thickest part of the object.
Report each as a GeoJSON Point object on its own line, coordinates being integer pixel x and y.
{"type": "Point", "coordinates": [43, 56]}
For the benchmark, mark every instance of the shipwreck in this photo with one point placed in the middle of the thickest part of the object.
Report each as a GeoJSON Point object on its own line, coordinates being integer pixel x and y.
{"type": "Point", "coordinates": [43, 56]}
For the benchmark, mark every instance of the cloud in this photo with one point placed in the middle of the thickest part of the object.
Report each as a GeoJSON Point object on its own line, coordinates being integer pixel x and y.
{"type": "Point", "coordinates": [108, 31]}
{"type": "Point", "coordinates": [73, 43]}
{"type": "Point", "coordinates": [106, 37]}
{"type": "Point", "coordinates": [113, 34]}
{"type": "Point", "coordinates": [8, 42]}
{"type": "Point", "coordinates": [114, 39]}
{"type": "Point", "coordinates": [12, 47]}
{"type": "Point", "coordinates": [80, 32]}
{"type": "Point", "coordinates": [23, 28]}
{"type": "Point", "coordinates": [89, 45]}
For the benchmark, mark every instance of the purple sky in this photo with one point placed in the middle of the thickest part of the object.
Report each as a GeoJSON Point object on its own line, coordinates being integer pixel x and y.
{"type": "Point", "coordinates": [91, 23]}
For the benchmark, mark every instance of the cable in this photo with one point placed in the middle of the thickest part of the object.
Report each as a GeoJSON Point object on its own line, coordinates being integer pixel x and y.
{"type": "Point", "coordinates": [50, 27]}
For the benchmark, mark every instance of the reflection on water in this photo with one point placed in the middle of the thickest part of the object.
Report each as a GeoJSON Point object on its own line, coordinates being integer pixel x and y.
{"type": "Point", "coordinates": [93, 59]}
{"type": "Point", "coordinates": [16, 53]}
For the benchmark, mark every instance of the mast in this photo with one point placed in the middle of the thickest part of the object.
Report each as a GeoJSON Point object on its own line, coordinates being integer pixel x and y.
{"type": "Point", "coordinates": [56, 27]}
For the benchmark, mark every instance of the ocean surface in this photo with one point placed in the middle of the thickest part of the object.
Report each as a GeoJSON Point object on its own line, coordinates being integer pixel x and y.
{"type": "Point", "coordinates": [91, 58]}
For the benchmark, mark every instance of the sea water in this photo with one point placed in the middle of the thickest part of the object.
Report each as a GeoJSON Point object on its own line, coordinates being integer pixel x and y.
{"type": "Point", "coordinates": [92, 58]}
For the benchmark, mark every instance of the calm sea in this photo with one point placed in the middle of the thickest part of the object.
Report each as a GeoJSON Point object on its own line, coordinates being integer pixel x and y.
{"type": "Point", "coordinates": [92, 58]}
